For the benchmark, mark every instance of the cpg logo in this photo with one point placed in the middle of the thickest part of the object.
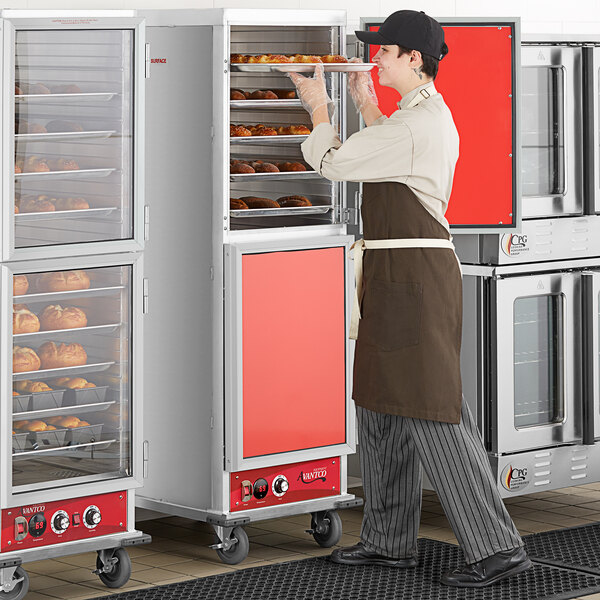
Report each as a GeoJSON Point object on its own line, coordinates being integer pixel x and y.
{"type": "Point", "coordinates": [513, 244]}
{"type": "Point", "coordinates": [317, 474]}
{"type": "Point", "coordinates": [514, 479]}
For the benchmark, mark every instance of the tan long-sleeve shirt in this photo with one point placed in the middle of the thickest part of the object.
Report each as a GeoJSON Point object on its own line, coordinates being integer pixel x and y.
{"type": "Point", "coordinates": [417, 146]}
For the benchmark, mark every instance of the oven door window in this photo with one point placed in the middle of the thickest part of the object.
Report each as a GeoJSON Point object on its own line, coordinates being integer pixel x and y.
{"type": "Point", "coordinates": [538, 360]}
{"type": "Point", "coordinates": [71, 377]}
{"type": "Point", "coordinates": [543, 131]}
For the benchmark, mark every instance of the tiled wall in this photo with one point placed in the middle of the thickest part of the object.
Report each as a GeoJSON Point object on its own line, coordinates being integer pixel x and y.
{"type": "Point", "coordinates": [543, 16]}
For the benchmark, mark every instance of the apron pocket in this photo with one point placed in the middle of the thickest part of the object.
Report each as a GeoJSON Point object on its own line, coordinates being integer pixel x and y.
{"type": "Point", "coordinates": [392, 315]}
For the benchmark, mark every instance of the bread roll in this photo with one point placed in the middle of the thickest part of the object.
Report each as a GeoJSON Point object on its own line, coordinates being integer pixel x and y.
{"type": "Point", "coordinates": [63, 164]}
{"type": "Point", "coordinates": [25, 359]}
{"type": "Point", "coordinates": [306, 58]}
{"type": "Point", "coordinates": [334, 58]}
{"type": "Point", "coordinates": [17, 171]}
{"type": "Point", "coordinates": [291, 166]}
{"type": "Point", "coordinates": [236, 204]}
{"type": "Point", "coordinates": [262, 130]}
{"type": "Point", "coordinates": [20, 285]}
{"type": "Point", "coordinates": [57, 356]}
{"type": "Point", "coordinates": [236, 95]}
{"type": "Point", "coordinates": [255, 202]}
{"type": "Point", "coordinates": [71, 204]}
{"type": "Point", "coordinates": [263, 95]}
{"type": "Point", "coordinates": [240, 167]}
{"type": "Point", "coordinates": [24, 321]}
{"type": "Point", "coordinates": [293, 130]}
{"type": "Point", "coordinates": [35, 164]}
{"type": "Point", "coordinates": [29, 204]}
{"type": "Point", "coordinates": [285, 94]}
{"type": "Point", "coordinates": [264, 167]}
{"type": "Point", "coordinates": [18, 91]}
{"type": "Point", "coordinates": [31, 386]}
{"type": "Point", "coordinates": [63, 281]}
{"type": "Point", "coordinates": [55, 316]}
{"type": "Point", "coordinates": [292, 201]}
{"type": "Point", "coordinates": [37, 128]}
{"type": "Point", "coordinates": [60, 126]}
{"type": "Point", "coordinates": [37, 89]}
{"type": "Point", "coordinates": [239, 131]}
{"type": "Point", "coordinates": [72, 383]}
{"type": "Point", "coordinates": [238, 58]}
{"type": "Point", "coordinates": [69, 422]}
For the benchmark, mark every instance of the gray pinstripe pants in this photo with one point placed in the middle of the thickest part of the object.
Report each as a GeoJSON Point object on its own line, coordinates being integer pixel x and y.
{"type": "Point", "coordinates": [392, 450]}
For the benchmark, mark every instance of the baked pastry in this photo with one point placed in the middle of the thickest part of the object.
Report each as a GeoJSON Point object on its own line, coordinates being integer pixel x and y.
{"type": "Point", "coordinates": [70, 203]}
{"type": "Point", "coordinates": [239, 131]}
{"type": "Point", "coordinates": [67, 88]}
{"type": "Point", "coordinates": [34, 164]}
{"type": "Point", "coordinates": [17, 171]}
{"type": "Point", "coordinates": [269, 58]}
{"type": "Point", "coordinates": [236, 95]}
{"type": "Point", "coordinates": [238, 58]}
{"type": "Point", "coordinates": [32, 425]}
{"type": "Point", "coordinates": [285, 94]}
{"type": "Point", "coordinates": [72, 383]}
{"type": "Point", "coordinates": [293, 130]}
{"type": "Point", "coordinates": [25, 359]}
{"type": "Point", "coordinates": [63, 164]}
{"type": "Point", "coordinates": [334, 58]}
{"type": "Point", "coordinates": [256, 202]}
{"type": "Point", "coordinates": [237, 167]}
{"type": "Point", "coordinates": [36, 128]}
{"type": "Point", "coordinates": [68, 422]}
{"type": "Point", "coordinates": [63, 281]}
{"type": "Point", "coordinates": [30, 204]}
{"type": "Point", "coordinates": [60, 126]}
{"type": "Point", "coordinates": [32, 386]}
{"type": "Point", "coordinates": [236, 204]}
{"type": "Point", "coordinates": [306, 58]}
{"type": "Point", "coordinates": [18, 91]}
{"type": "Point", "coordinates": [35, 88]}
{"type": "Point", "coordinates": [55, 316]}
{"type": "Point", "coordinates": [24, 321]}
{"type": "Point", "coordinates": [291, 166]}
{"type": "Point", "coordinates": [291, 201]}
{"type": "Point", "coordinates": [20, 285]}
{"type": "Point", "coordinates": [57, 356]}
{"type": "Point", "coordinates": [261, 130]}
{"type": "Point", "coordinates": [263, 95]}
{"type": "Point", "coordinates": [264, 167]}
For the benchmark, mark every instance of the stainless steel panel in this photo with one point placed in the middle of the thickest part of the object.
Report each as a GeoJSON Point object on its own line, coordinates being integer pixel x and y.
{"type": "Point", "coordinates": [594, 159]}
{"type": "Point", "coordinates": [591, 324]}
{"type": "Point", "coordinates": [534, 357]}
{"type": "Point", "coordinates": [551, 131]}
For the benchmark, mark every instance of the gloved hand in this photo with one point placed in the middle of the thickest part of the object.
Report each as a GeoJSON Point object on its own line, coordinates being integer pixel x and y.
{"type": "Point", "coordinates": [361, 88]}
{"type": "Point", "coordinates": [312, 91]}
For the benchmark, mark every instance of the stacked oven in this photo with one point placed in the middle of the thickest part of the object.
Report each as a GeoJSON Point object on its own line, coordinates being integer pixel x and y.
{"type": "Point", "coordinates": [71, 277]}
{"type": "Point", "coordinates": [531, 299]}
{"type": "Point", "coordinates": [247, 357]}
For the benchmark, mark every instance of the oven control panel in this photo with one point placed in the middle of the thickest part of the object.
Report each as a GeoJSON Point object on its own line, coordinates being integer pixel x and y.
{"type": "Point", "coordinates": [63, 521]}
{"type": "Point", "coordinates": [283, 484]}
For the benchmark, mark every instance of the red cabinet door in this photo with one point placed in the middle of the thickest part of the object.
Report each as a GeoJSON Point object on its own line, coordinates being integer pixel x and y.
{"type": "Point", "coordinates": [478, 81]}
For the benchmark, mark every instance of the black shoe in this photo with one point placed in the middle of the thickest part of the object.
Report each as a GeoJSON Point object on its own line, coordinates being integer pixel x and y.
{"type": "Point", "coordinates": [489, 570]}
{"type": "Point", "coordinates": [359, 555]}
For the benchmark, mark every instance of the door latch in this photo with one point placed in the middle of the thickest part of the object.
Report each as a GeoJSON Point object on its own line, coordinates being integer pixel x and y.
{"type": "Point", "coordinates": [145, 296]}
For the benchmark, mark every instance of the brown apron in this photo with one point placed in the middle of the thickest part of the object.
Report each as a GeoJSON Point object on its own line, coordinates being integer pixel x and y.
{"type": "Point", "coordinates": [407, 357]}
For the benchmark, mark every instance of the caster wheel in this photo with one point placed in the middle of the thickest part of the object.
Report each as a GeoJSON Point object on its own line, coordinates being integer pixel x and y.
{"type": "Point", "coordinates": [327, 528]}
{"type": "Point", "coordinates": [238, 551]}
{"type": "Point", "coordinates": [21, 587]}
{"type": "Point", "coordinates": [119, 573]}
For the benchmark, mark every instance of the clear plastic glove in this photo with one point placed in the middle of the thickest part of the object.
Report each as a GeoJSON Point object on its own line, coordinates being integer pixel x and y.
{"type": "Point", "coordinates": [312, 91]}
{"type": "Point", "coordinates": [361, 88]}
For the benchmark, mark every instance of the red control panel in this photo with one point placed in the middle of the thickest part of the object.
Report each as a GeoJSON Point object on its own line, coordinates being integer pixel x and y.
{"type": "Point", "coordinates": [63, 521]}
{"type": "Point", "coordinates": [270, 486]}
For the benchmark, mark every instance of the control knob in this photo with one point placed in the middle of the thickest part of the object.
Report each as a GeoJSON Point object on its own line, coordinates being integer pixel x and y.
{"type": "Point", "coordinates": [91, 516]}
{"type": "Point", "coordinates": [280, 485]}
{"type": "Point", "coordinates": [60, 521]}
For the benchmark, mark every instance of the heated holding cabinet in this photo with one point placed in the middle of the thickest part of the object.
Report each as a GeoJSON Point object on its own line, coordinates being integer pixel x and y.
{"type": "Point", "coordinates": [71, 277]}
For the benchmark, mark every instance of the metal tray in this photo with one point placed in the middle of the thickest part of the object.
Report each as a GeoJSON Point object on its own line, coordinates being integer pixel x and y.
{"type": "Point", "coordinates": [51, 98]}
{"type": "Point", "coordinates": [52, 332]}
{"type": "Point", "coordinates": [65, 450]}
{"type": "Point", "coordinates": [301, 67]}
{"type": "Point", "coordinates": [64, 410]}
{"type": "Point", "coordinates": [288, 103]}
{"type": "Point", "coordinates": [84, 213]}
{"type": "Point", "coordinates": [87, 396]}
{"type": "Point", "coordinates": [64, 136]}
{"type": "Point", "coordinates": [21, 403]}
{"type": "Point", "coordinates": [280, 212]}
{"type": "Point", "coordinates": [66, 174]}
{"type": "Point", "coordinates": [266, 139]}
{"type": "Point", "coordinates": [91, 367]}
{"type": "Point", "coordinates": [277, 176]}
{"type": "Point", "coordinates": [67, 296]}
{"type": "Point", "coordinates": [84, 435]}
{"type": "Point", "coordinates": [24, 403]}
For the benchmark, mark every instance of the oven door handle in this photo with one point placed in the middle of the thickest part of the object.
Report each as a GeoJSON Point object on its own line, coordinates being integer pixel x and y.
{"type": "Point", "coordinates": [589, 366]}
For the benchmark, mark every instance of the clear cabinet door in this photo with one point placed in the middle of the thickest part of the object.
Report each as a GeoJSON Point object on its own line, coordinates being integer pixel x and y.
{"type": "Point", "coordinates": [71, 377]}
{"type": "Point", "coordinates": [551, 131]}
{"type": "Point", "coordinates": [73, 136]}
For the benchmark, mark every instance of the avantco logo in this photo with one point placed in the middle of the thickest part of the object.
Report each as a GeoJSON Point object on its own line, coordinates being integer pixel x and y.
{"type": "Point", "coordinates": [513, 244]}
{"type": "Point", "coordinates": [31, 510]}
{"type": "Point", "coordinates": [317, 474]}
{"type": "Point", "coordinates": [514, 478]}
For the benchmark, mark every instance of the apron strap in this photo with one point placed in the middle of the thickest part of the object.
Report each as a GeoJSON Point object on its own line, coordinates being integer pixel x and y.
{"type": "Point", "coordinates": [357, 251]}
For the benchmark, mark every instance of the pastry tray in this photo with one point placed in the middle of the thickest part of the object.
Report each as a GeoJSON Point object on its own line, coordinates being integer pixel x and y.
{"type": "Point", "coordinates": [34, 401]}
{"type": "Point", "coordinates": [84, 213]}
{"type": "Point", "coordinates": [51, 332]}
{"type": "Point", "coordinates": [277, 176]}
{"type": "Point", "coordinates": [63, 410]}
{"type": "Point", "coordinates": [91, 367]}
{"type": "Point", "coordinates": [301, 67]}
{"type": "Point", "coordinates": [290, 103]}
{"type": "Point", "coordinates": [280, 212]}
{"type": "Point", "coordinates": [84, 96]}
{"type": "Point", "coordinates": [266, 139]}
{"type": "Point", "coordinates": [66, 174]}
{"type": "Point", "coordinates": [63, 136]}
{"type": "Point", "coordinates": [68, 295]}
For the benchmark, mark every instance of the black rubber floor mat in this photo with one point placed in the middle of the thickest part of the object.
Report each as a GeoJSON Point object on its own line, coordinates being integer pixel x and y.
{"type": "Point", "coordinates": [320, 579]}
{"type": "Point", "coordinates": [573, 548]}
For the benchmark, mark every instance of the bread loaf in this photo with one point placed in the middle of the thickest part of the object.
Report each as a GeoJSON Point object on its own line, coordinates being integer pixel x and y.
{"type": "Point", "coordinates": [20, 285]}
{"type": "Point", "coordinates": [62, 281]}
{"type": "Point", "coordinates": [25, 359]}
{"type": "Point", "coordinates": [24, 321]}
{"type": "Point", "coordinates": [236, 204]}
{"type": "Point", "coordinates": [57, 317]}
{"type": "Point", "coordinates": [292, 201]}
{"type": "Point", "coordinates": [256, 202]}
{"type": "Point", "coordinates": [56, 356]}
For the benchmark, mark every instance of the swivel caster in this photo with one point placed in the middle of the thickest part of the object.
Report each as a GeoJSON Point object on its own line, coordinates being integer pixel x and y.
{"type": "Point", "coordinates": [14, 583]}
{"type": "Point", "coordinates": [113, 567]}
{"type": "Point", "coordinates": [232, 544]}
{"type": "Point", "coordinates": [326, 528]}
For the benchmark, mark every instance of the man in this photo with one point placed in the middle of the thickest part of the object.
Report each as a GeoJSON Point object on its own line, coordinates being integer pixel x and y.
{"type": "Point", "coordinates": [408, 312]}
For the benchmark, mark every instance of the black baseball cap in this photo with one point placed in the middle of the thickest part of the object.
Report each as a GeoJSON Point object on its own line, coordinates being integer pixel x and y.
{"type": "Point", "coordinates": [411, 29]}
